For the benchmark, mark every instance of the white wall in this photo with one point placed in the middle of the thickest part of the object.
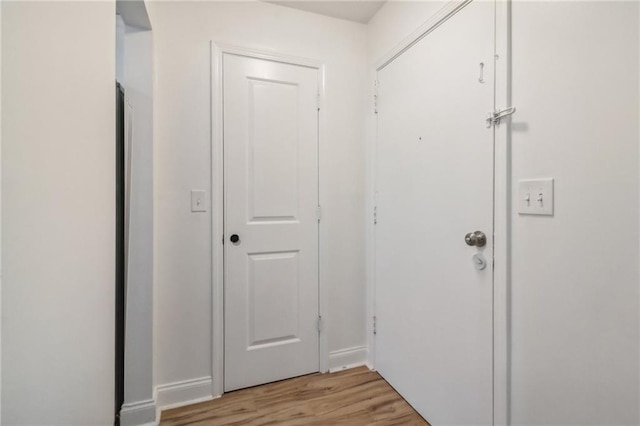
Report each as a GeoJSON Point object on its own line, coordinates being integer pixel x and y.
{"type": "Point", "coordinates": [574, 284]}
{"type": "Point", "coordinates": [182, 33]}
{"type": "Point", "coordinates": [120, 34]}
{"type": "Point", "coordinates": [396, 21]}
{"type": "Point", "coordinates": [575, 276]}
{"type": "Point", "coordinates": [0, 215]}
{"type": "Point", "coordinates": [138, 363]}
{"type": "Point", "coordinates": [58, 199]}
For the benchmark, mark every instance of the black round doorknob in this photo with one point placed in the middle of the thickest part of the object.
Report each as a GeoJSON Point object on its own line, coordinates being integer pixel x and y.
{"type": "Point", "coordinates": [234, 238]}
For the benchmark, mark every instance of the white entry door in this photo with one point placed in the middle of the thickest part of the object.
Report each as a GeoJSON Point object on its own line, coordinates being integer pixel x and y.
{"type": "Point", "coordinates": [434, 184]}
{"type": "Point", "coordinates": [271, 224]}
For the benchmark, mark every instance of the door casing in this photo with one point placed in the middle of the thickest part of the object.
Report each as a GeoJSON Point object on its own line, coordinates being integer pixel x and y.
{"type": "Point", "coordinates": [217, 204]}
{"type": "Point", "coordinates": [502, 198]}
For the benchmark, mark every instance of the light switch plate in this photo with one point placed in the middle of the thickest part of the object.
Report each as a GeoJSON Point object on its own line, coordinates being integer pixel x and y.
{"type": "Point", "coordinates": [198, 200]}
{"type": "Point", "coordinates": [535, 196]}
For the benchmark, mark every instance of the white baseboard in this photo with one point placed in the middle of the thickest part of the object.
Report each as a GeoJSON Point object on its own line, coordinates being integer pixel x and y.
{"type": "Point", "coordinates": [140, 413]}
{"type": "Point", "coordinates": [347, 358]}
{"type": "Point", "coordinates": [179, 394]}
{"type": "Point", "coordinates": [370, 361]}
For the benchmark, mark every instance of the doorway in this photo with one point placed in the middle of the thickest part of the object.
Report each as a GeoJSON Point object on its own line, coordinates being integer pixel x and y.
{"type": "Point", "coordinates": [271, 220]}
{"type": "Point", "coordinates": [434, 232]}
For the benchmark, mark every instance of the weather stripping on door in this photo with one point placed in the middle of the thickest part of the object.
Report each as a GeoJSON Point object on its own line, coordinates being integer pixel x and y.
{"type": "Point", "coordinates": [493, 119]}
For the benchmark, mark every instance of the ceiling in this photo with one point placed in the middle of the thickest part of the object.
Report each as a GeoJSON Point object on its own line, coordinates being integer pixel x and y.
{"type": "Point", "coordinates": [133, 13]}
{"type": "Point", "coordinates": [358, 11]}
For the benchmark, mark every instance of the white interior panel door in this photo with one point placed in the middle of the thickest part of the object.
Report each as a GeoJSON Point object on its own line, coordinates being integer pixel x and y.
{"type": "Point", "coordinates": [435, 185]}
{"type": "Point", "coordinates": [271, 226]}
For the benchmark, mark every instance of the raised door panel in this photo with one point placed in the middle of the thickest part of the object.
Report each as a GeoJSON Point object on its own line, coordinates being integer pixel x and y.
{"type": "Point", "coordinates": [273, 139]}
{"type": "Point", "coordinates": [272, 302]}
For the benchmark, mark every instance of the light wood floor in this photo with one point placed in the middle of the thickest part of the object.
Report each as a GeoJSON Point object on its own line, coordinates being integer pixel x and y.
{"type": "Point", "coordinates": [352, 397]}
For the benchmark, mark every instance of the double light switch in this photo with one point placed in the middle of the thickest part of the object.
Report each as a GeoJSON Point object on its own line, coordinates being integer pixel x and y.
{"type": "Point", "coordinates": [535, 196]}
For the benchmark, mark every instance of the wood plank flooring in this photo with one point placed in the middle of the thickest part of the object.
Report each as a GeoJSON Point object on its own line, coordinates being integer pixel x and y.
{"type": "Point", "coordinates": [355, 397]}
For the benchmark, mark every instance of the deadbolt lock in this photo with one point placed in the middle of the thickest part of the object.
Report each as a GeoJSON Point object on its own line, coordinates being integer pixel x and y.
{"type": "Point", "coordinates": [478, 239]}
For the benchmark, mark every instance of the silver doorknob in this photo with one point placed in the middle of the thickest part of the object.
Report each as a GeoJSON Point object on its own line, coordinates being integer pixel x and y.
{"type": "Point", "coordinates": [478, 239]}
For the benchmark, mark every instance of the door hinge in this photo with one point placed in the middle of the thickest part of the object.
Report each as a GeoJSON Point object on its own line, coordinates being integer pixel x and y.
{"type": "Point", "coordinates": [493, 119]}
{"type": "Point", "coordinates": [318, 101]}
{"type": "Point", "coordinates": [318, 212]}
{"type": "Point", "coordinates": [222, 239]}
{"type": "Point", "coordinates": [375, 208]}
{"type": "Point", "coordinates": [319, 324]}
{"type": "Point", "coordinates": [375, 96]}
{"type": "Point", "coordinates": [375, 326]}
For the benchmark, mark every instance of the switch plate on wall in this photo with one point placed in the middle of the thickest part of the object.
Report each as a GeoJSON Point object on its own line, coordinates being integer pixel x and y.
{"type": "Point", "coordinates": [198, 200]}
{"type": "Point", "coordinates": [535, 196]}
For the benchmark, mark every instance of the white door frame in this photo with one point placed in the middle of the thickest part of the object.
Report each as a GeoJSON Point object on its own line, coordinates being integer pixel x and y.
{"type": "Point", "coordinates": [502, 200]}
{"type": "Point", "coordinates": [217, 205]}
